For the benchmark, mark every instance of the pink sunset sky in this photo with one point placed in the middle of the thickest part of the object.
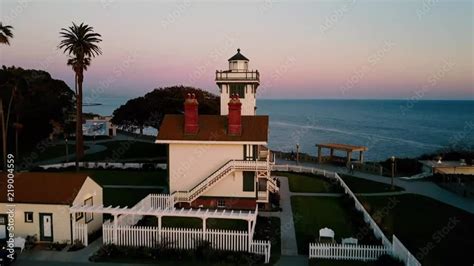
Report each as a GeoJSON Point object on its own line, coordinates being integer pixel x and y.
{"type": "Point", "coordinates": [319, 49]}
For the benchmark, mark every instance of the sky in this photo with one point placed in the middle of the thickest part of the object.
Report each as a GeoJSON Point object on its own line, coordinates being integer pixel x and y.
{"type": "Point", "coordinates": [355, 49]}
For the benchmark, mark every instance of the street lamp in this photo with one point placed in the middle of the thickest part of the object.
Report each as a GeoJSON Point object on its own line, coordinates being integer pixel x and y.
{"type": "Point", "coordinates": [297, 153]}
{"type": "Point", "coordinates": [67, 149]}
{"type": "Point", "coordinates": [393, 169]}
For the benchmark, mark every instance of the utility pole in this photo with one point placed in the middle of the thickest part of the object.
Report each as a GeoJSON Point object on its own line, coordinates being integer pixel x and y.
{"type": "Point", "coordinates": [393, 171]}
{"type": "Point", "coordinates": [297, 153]}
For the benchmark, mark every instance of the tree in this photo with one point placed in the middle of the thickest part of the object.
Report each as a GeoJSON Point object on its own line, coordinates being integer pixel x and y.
{"type": "Point", "coordinates": [80, 42]}
{"type": "Point", "coordinates": [5, 33]}
{"type": "Point", "coordinates": [38, 100]}
{"type": "Point", "coordinates": [149, 110]}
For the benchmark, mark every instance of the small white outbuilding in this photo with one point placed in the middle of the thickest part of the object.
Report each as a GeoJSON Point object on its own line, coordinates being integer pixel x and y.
{"type": "Point", "coordinates": [41, 202]}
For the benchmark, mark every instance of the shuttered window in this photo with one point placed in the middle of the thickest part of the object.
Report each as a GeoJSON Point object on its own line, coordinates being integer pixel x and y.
{"type": "Point", "coordinates": [249, 184]}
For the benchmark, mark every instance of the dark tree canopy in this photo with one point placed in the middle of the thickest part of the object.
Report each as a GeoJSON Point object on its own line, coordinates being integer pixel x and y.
{"type": "Point", "coordinates": [149, 110]}
{"type": "Point", "coordinates": [39, 100]}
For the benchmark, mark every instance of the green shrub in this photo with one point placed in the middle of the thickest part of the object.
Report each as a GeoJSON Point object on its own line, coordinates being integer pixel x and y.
{"type": "Point", "coordinates": [387, 260]}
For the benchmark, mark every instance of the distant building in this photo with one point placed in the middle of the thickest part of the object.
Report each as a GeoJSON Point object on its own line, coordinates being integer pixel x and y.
{"type": "Point", "coordinates": [221, 161]}
{"type": "Point", "coordinates": [99, 126]}
{"type": "Point", "coordinates": [42, 202]}
{"type": "Point", "coordinates": [447, 167]}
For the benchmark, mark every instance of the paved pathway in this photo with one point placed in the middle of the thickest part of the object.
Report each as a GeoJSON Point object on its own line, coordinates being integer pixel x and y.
{"type": "Point", "coordinates": [34, 257]}
{"type": "Point", "coordinates": [424, 188]}
{"type": "Point", "coordinates": [287, 229]}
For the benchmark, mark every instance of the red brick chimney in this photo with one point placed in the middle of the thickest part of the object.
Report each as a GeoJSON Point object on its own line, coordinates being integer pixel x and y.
{"type": "Point", "coordinates": [191, 117]}
{"type": "Point", "coordinates": [234, 117]}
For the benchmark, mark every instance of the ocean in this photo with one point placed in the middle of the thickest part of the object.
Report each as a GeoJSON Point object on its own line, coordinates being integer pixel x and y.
{"type": "Point", "coordinates": [401, 128]}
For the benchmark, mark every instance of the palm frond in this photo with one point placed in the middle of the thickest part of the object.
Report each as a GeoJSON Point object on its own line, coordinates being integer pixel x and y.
{"type": "Point", "coordinates": [5, 33]}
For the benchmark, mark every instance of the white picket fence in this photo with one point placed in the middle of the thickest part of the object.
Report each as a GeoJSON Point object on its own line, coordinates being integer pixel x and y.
{"type": "Point", "coordinates": [402, 253]}
{"type": "Point", "coordinates": [396, 248]}
{"type": "Point", "coordinates": [261, 247]}
{"type": "Point", "coordinates": [105, 165]}
{"type": "Point", "coordinates": [346, 252]}
{"type": "Point", "coordinates": [79, 232]}
{"type": "Point", "coordinates": [183, 238]}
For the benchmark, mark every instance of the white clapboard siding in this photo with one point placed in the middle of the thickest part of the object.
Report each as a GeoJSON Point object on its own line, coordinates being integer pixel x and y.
{"type": "Point", "coordinates": [80, 233]}
{"type": "Point", "coordinates": [346, 252]}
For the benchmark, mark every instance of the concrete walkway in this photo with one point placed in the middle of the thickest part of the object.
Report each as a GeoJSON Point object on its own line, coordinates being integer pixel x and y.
{"type": "Point", "coordinates": [424, 188]}
{"type": "Point", "coordinates": [287, 229]}
{"type": "Point", "coordinates": [80, 256]}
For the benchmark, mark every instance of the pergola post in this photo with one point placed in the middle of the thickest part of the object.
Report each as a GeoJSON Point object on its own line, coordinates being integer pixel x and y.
{"type": "Point", "coordinates": [115, 228]}
{"type": "Point", "coordinates": [159, 229]}
{"type": "Point", "coordinates": [249, 236]}
{"type": "Point", "coordinates": [361, 157]}
{"type": "Point", "coordinates": [319, 155]}
{"type": "Point", "coordinates": [349, 158]}
{"type": "Point", "coordinates": [73, 219]}
{"type": "Point", "coordinates": [204, 232]}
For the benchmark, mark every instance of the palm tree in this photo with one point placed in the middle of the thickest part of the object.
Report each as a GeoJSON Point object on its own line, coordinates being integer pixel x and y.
{"type": "Point", "coordinates": [79, 41]}
{"type": "Point", "coordinates": [5, 33]}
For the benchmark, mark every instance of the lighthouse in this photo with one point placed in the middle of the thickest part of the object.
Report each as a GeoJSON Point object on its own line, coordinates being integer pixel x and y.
{"type": "Point", "coordinates": [239, 81]}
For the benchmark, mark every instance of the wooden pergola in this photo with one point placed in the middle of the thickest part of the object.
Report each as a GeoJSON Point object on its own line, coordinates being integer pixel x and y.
{"type": "Point", "coordinates": [204, 214]}
{"type": "Point", "coordinates": [349, 149]}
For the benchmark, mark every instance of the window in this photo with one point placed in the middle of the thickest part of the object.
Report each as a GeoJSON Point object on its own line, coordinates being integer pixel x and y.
{"type": "Point", "coordinates": [89, 216]}
{"type": "Point", "coordinates": [28, 217]}
{"type": "Point", "coordinates": [238, 88]}
{"type": "Point", "coordinates": [249, 183]}
{"type": "Point", "coordinates": [220, 203]}
{"type": "Point", "coordinates": [250, 152]}
{"type": "Point", "coordinates": [79, 216]}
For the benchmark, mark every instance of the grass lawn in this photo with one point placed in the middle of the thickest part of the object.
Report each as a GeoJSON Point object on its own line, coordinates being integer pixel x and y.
{"type": "Point", "coordinates": [126, 196]}
{"type": "Point", "coordinates": [53, 151]}
{"type": "Point", "coordinates": [313, 213]}
{"type": "Point", "coordinates": [130, 177]}
{"type": "Point", "coordinates": [123, 150]}
{"type": "Point", "coordinates": [302, 182]}
{"type": "Point", "coordinates": [360, 185]}
{"type": "Point", "coordinates": [434, 232]}
{"type": "Point", "coordinates": [189, 222]}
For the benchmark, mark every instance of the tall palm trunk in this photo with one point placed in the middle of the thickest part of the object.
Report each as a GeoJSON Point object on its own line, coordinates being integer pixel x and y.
{"type": "Point", "coordinates": [79, 135]}
{"type": "Point", "coordinates": [17, 129]}
{"type": "Point", "coordinates": [4, 136]}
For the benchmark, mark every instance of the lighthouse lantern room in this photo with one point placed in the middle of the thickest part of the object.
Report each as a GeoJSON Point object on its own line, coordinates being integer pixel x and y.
{"type": "Point", "coordinates": [238, 80]}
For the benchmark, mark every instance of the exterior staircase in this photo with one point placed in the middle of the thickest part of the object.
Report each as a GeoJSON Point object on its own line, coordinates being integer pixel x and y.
{"type": "Point", "coordinates": [227, 168]}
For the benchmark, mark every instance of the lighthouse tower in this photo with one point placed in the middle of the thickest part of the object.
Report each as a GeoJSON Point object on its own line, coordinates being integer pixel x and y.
{"type": "Point", "coordinates": [238, 80]}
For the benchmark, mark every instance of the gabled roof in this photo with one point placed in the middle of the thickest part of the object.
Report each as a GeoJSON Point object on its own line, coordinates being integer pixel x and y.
{"type": "Point", "coordinates": [214, 128]}
{"type": "Point", "coordinates": [238, 56]}
{"type": "Point", "coordinates": [43, 187]}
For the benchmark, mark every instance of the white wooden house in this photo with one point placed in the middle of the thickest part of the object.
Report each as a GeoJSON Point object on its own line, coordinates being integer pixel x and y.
{"type": "Point", "coordinates": [221, 160]}
{"type": "Point", "coordinates": [41, 203]}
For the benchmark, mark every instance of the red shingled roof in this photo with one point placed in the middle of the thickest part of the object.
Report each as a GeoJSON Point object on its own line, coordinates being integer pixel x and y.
{"type": "Point", "coordinates": [214, 128]}
{"type": "Point", "coordinates": [44, 187]}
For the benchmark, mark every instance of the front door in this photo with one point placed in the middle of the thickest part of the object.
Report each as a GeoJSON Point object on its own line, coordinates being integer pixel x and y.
{"type": "Point", "coordinates": [3, 226]}
{"type": "Point", "coordinates": [46, 226]}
